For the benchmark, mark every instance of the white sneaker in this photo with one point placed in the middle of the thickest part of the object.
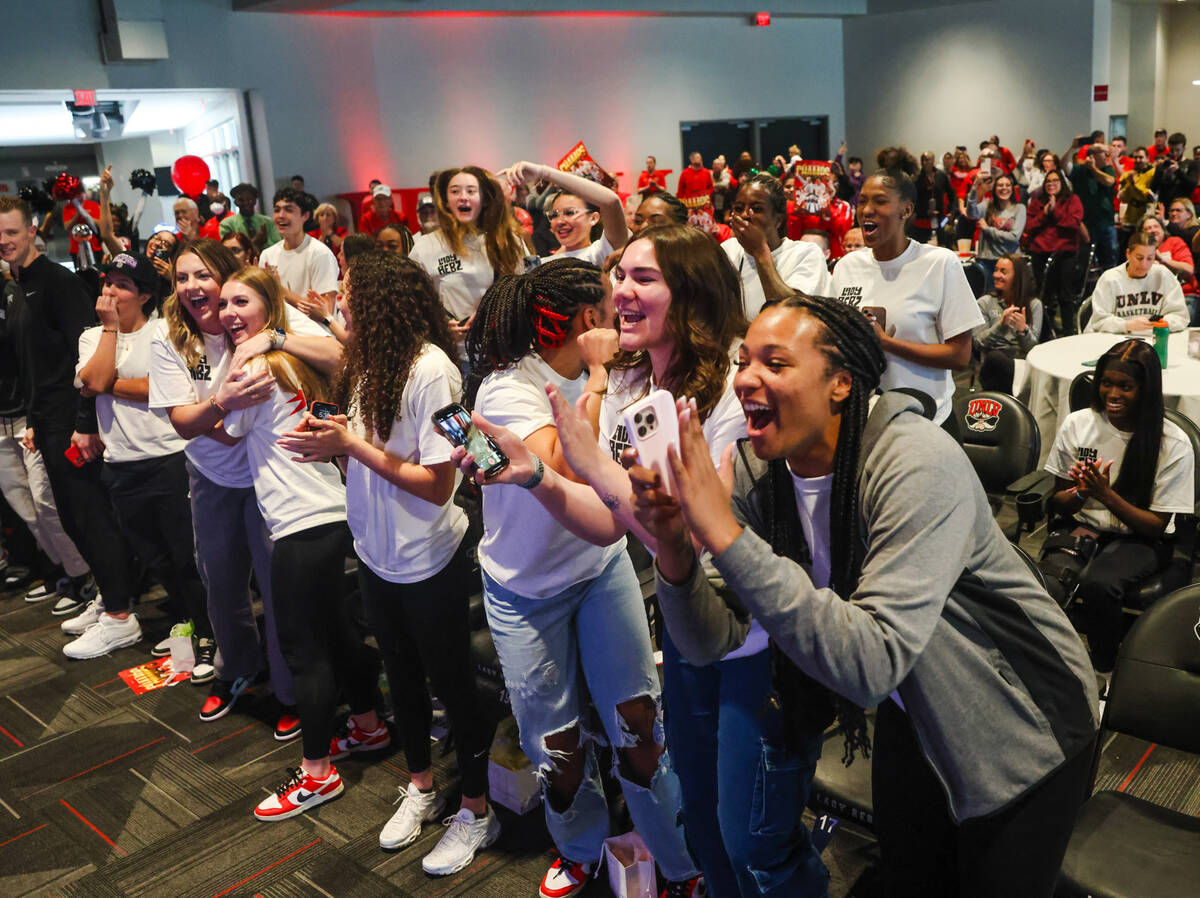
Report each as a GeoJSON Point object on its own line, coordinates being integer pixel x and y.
{"type": "Point", "coordinates": [416, 808]}
{"type": "Point", "coordinates": [91, 613]}
{"type": "Point", "coordinates": [465, 834]}
{"type": "Point", "coordinates": [39, 591]}
{"type": "Point", "coordinates": [104, 636]}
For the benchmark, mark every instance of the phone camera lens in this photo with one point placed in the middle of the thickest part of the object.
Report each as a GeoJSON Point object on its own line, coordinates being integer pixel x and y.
{"type": "Point", "coordinates": [641, 431]}
{"type": "Point", "coordinates": [650, 419]}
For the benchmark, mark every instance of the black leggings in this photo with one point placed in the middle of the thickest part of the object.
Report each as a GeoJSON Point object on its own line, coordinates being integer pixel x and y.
{"type": "Point", "coordinates": [1055, 274]}
{"type": "Point", "coordinates": [1015, 851]}
{"type": "Point", "coordinates": [320, 643]}
{"type": "Point", "coordinates": [88, 518]}
{"type": "Point", "coordinates": [997, 371]}
{"type": "Point", "coordinates": [150, 497]}
{"type": "Point", "coordinates": [1119, 562]}
{"type": "Point", "coordinates": [422, 628]}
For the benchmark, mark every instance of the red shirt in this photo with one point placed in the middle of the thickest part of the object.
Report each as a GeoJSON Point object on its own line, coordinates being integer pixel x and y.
{"type": "Point", "coordinates": [212, 228]}
{"type": "Point", "coordinates": [960, 180]}
{"type": "Point", "coordinates": [1056, 230]}
{"type": "Point", "coordinates": [694, 182]}
{"type": "Point", "coordinates": [1180, 252]}
{"type": "Point", "coordinates": [834, 221]}
{"type": "Point", "coordinates": [657, 178]}
{"type": "Point", "coordinates": [1155, 152]}
{"type": "Point", "coordinates": [316, 232]}
{"type": "Point", "coordinates": [372, 224]}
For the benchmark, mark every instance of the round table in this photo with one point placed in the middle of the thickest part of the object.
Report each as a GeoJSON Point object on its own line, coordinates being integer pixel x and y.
{"type": "Point", "coordinates": [1054, 364]}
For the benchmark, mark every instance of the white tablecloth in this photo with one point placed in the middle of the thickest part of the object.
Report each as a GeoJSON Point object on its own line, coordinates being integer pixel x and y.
{"type": "Point", "coordinates": [1053, 365]}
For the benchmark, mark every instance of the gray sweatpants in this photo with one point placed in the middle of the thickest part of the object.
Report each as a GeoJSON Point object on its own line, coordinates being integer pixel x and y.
{"type": "Point", "coordinates": [230, 537]}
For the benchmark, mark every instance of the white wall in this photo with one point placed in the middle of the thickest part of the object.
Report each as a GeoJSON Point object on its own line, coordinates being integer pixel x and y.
{"type": "Point", "coordinates": [1181, 97]}
{"type": "Point", "coordinates": [530, 88]}
{"type": "Point", "coordinates": [937, 78]}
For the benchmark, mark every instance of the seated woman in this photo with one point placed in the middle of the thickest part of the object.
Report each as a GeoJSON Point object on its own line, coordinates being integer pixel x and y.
{"type": "Point", "coordinates": [866, 548]}
{"type": "Point", "coordinates": [1014, 321]}
{"type": "Point", "coordinates": [1127, 298]}
{"type": "Point", "coordinates": [1121, 471]}
{"type": "Point", "coordinates": [1173, 251]}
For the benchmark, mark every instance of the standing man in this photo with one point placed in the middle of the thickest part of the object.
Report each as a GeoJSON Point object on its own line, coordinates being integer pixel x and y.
{"type": "Point", "coordinates": [307, 268]}
{"type": "Point", "coordinates": [187, 218]}
{"type": "Point", "coordinates": [382, 212]}
{"type": "Point", "coordinates": [651, 180]}
{"type": "Point", "coordinates": [1159, 148]}
{"type": "Point", "coordinates": [259, 228]}
{"type": "Point", "coordinates": [695, 180]}
{"type": "Point", "coordinates": [1135, 190]}
{"type": "Point", "coordinates": [55, 311]}
{"type": "Point", "coordinates": [1095, 183]}
{"type": "Point", "coordinates": [1174, 177]}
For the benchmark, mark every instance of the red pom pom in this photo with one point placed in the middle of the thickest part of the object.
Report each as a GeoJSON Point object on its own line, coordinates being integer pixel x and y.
{"type": "Point", "coordinates": [66, 186]}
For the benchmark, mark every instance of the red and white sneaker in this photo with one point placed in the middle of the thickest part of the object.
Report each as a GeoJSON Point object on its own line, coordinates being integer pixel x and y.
{"type": "Point", "coordinates": [288, 725]}
{"type": "Point", "coordinates": [352, 738]}
{"type": "Point", "coordinates": [565, 877]}
{"type": "Point", "coordinates": [299, 792]}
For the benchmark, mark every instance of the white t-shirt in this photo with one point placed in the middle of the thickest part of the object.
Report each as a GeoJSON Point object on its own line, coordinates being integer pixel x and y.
{"type": "Point", "coordinates": [800, 263]}
{"type": "Point", "coordinates": [401, 538]}
{"type": "Point", "coordinates": [173, 382]}
{"type": "Point", "coordinates": [523, 548]}
{"type": "Point", "coordinates": [595, 252]}
{"type": "Point", "coordinates": [928, 300]}
{"type": "Point", "coordinates": [1086, 435]}
{"type": "Point", "coordinates": [462, 280]}
{"type": "Point", "coordinates": [812, 502]}
{"type": "Point", "coordinates": [1118, 296]}
{"type": "Point", "coordinates": [291, 496]}
{"type": "Point", "coordinates": [310, 266]}
{"type": "Point", "coordinates": [725, 425]}
{"type": "Point", "coordinates": [131, 430]}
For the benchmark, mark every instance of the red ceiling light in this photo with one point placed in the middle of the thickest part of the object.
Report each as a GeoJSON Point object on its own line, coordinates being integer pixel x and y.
{"type": "Point", "coordinates": [762, 19]}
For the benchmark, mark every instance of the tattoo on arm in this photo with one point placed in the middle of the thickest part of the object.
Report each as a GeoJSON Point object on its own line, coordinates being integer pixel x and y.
{"type": "Point", "coordinates": [611, 502]}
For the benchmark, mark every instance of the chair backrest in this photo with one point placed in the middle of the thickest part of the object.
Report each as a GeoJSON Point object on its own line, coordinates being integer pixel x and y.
{"type": "Point", "coordinates": [1155, 689]}
{"type": "Point", "coordinates": [977, 278]}
{"type": "Point", "coordinates": [1188, 426]}
{"type": "Point", "coordinates": [999, 435]}
{"type": "Point", "coordinates": [928, 406]}
{"type": "Point", "coordinates": [1084, 315]}
{"type": "Point", "coordinates": [1080, 393]}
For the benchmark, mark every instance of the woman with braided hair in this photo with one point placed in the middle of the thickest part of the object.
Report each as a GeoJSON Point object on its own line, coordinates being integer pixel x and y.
{"type": "Point", "coordinates": [415, 569]}
{"type": "Point", "coordinates": [865, 546]}
{"type": "Point", "coordinates": [566, 615]}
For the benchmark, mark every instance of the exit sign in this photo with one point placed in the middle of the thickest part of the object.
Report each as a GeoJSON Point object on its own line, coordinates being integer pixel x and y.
{"type": "Point", "coordinates": [762, 19]}
{"type": "Point", "coordinates": [85, 98]}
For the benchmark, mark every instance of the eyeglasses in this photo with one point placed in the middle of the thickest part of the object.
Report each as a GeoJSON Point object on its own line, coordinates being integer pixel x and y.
{"type": "Point", "coordinates": [564, 213]}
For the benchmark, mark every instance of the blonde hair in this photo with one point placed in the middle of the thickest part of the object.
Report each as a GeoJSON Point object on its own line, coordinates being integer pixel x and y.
{"type": "Point", "coordinates": [326, 207]}
{"type": "Point", "coordinates": [182, 331]}
{"type": "Point", "coordinates": [290, 373]}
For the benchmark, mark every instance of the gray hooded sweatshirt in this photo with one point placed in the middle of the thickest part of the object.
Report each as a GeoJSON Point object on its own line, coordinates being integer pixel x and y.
{"type": "Point", "coordinates": [996, 682]}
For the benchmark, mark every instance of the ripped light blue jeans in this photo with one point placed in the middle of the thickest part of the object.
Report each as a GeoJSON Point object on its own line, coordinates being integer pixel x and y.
{"type": "Point", "coordinates": [596, 628]}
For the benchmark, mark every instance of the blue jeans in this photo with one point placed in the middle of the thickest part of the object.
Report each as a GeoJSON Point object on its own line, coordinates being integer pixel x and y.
{"type": "Point", "coordinates": [598, 628]}
{"type": "Point", "coordinates": [1104, 239]}
{"type": "Point", "coordinates": [742, 799]}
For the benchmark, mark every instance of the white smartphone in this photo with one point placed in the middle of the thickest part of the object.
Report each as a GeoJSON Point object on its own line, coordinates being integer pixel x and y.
{"type": "Point", "coordinates": [653, 425]}
{"type": "Point", "coordinates": [985, 166]}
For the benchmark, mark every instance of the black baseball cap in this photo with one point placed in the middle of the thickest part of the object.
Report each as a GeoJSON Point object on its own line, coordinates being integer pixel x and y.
{"type": "Point", "coordinates": [137, 268]}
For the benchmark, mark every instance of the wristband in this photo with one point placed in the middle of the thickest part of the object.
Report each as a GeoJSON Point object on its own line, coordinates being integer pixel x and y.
{"type": "Point", "coordinates": [539, 471]}
{"type": "Point", "coordinates": [212, 402]}
{"type": "Point", "coordinates": [109, 330]}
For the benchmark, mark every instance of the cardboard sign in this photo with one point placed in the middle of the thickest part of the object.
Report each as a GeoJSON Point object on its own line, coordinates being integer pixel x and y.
{"type": "Point", "coordinates": [152, 675]}
{"type": "Point", "coordinates": [580, 162]}
{"type": "Point", "coordinates": [814, 186]}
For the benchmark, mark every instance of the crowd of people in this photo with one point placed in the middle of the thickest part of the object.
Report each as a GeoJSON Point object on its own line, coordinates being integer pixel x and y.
{"type": "Point", "coordinates": [242, 401]}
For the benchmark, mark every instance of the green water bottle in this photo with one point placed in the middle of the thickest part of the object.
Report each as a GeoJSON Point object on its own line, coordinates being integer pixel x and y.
{"type": "Point", "coordinates": [1162, 331]}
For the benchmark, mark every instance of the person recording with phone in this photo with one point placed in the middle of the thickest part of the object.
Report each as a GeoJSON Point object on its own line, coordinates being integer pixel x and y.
{"type": "Point", "coordinates": [415, 569]}
{"type": "Point", "coordinates": [304, 509]}
{"type": "Point", "coordinates": [574, 607]}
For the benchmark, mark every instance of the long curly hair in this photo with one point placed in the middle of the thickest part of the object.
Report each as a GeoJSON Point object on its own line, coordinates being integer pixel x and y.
{"type": "Point", "coordinates": [394, 312]}
{"type": "Point", "coordinates": [502, 236]}
{"type": "Point", "coordinates": [182, 331]}
{"type": "Point", "coordinates": [705, 316]}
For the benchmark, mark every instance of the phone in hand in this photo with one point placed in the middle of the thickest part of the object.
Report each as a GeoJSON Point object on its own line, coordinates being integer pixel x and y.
{"type": "Point", "coordinates": [454, 423]}
{"type": "Point", "coordinates": [878, 312]}
{"type": "Point", "coordinates": [74, 456]}
{"type": "Point", "coordinates": [985, 167]}
{"type": "Point", "coordinates": [653, 427]}
{"type": "Point", "coordinates": [323, 410]}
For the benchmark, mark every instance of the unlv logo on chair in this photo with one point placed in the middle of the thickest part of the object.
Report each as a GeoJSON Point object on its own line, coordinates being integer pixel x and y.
{"type": "Point", "coordinates": [982, 414]}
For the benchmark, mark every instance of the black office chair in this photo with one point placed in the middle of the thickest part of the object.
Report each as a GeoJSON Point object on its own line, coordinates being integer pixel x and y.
{"type": "Point", "coordinates": [1123, 846]}
{"type": "Point", "coordinates": [1001, 438]}
{"type": "Point", "coordinates": [976, 277]}
{"type": "Point", "coordinates": [1079, 394]}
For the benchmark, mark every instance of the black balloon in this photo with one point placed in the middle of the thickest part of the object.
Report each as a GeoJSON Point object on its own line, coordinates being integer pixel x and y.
{"type": "Point", "coordinates": [143, 180]}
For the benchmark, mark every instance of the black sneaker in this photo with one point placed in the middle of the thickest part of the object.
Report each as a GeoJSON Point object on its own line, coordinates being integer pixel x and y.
{"type": "Point", "coordinates": [203, 672]}
{"type": "Point", "coordinates": [220, 700]}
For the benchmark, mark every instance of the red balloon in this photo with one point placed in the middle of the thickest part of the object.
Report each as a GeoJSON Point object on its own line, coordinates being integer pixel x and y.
{"type": "Point", "coordinates": [190, 174]}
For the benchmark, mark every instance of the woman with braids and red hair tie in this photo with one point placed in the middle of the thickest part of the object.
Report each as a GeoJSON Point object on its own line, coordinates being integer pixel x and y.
{"type": "Point", "coordinates": [414, 562]}
{"type": "Point", "coordinates": [865, 546]}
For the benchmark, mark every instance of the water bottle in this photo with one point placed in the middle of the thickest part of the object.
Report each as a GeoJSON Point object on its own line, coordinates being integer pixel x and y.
{"type": "Point", "coordinates": [1162, 331]}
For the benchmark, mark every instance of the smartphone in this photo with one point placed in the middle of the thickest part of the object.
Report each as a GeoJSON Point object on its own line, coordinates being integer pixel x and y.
{"type": "Point", "coordinates": [985, 167]}
{"type": "Point", "coordinates": [74, 456]}
{"type": "Point", "coordinates": [879, 312]}
{"type": "Point", "coordinates": [454, 423]}
{"type": "Point", "coordinates": [653, 426]}
{"type": "Point", "coordinates": [322, 410]}
{"type": "Point", "coordinates": [463, 320]}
